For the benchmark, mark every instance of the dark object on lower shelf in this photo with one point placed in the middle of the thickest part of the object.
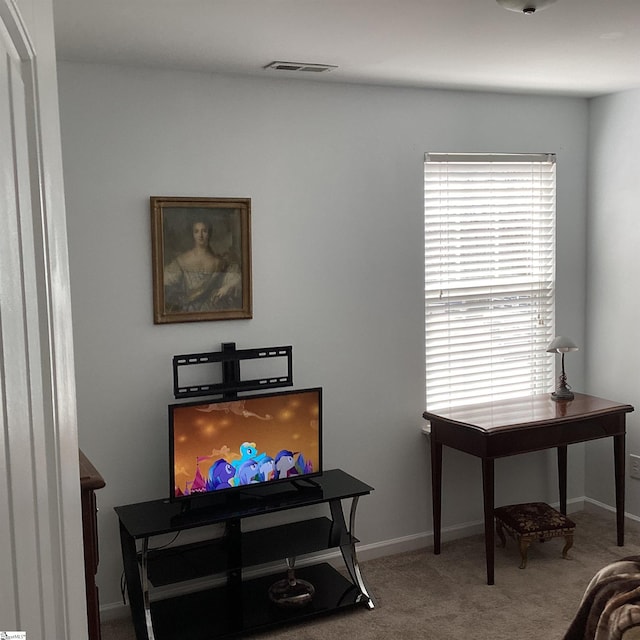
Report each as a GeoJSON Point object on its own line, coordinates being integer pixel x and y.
{"type": "Point", "coordinates": [291, 591]}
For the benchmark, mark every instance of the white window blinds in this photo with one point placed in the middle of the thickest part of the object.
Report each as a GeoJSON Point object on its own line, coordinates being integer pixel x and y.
{"type": "Point", "coordinates": [489, 276]}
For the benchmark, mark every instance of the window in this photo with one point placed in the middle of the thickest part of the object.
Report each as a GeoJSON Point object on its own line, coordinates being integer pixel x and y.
{"type": "Point", "coordinates": [489, 276]}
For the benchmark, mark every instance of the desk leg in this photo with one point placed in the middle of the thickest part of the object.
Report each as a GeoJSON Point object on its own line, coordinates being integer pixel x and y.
{"type": "Point", "coordinates": [436, 491]}
{"type": "Point", "coordinates": [619, 470]}
{"type": "Point", "coordinates": [488, 490]}
{"type": "Point", "coordinates": [562, 478]}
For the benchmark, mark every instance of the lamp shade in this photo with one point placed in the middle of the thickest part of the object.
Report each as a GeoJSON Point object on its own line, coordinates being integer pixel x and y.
{"type": "Point", "coordinates": [560, 344]}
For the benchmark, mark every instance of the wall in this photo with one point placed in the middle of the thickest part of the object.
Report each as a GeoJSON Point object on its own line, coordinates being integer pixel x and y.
{"type": "Point", "coordinates": [335, 177]}
{"type": "Point", "coordinates": [613, 307]}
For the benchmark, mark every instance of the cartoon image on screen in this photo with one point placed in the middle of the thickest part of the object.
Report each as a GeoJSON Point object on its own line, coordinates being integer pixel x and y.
{"type": "Point", "coordinates": [222, 445]}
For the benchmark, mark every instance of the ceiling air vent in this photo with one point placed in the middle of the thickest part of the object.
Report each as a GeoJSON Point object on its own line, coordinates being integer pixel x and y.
{"type": "Point", "coordinates": [300, 66]}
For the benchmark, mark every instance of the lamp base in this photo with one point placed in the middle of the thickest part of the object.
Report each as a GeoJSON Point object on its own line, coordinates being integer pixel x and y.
{"type": "Point", "coordinates": [291, 592]}
{"type": "Point", "coordinates": [562, 394]}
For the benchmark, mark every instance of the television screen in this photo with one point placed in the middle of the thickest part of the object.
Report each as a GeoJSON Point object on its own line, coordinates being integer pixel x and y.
{"type": "Point", "coordinates": [222, 445]}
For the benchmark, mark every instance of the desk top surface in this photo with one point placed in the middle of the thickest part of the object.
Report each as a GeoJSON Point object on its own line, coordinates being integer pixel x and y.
{"type": "Point", "coordinates": [526, 412]}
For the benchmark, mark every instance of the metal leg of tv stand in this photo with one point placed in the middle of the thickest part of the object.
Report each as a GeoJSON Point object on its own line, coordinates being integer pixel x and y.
{"type": "Point", "coordinates": [349, 550]}
{"type": "Point", "coordinates": [138, 598]}
{"type": "Point", "coordinates": [145, 588]}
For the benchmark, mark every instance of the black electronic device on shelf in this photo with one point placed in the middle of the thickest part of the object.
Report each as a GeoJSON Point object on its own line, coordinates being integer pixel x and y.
{"type": "Point", "coordinates": [238, 445]}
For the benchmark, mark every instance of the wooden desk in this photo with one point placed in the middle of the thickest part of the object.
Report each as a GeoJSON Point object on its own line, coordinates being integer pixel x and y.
{"type": "Point", "coordinates": [508, 427]}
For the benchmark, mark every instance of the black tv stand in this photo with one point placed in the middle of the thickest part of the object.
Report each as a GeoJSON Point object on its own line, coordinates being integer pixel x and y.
{"type": "Point", "coordinates": [238, 604]}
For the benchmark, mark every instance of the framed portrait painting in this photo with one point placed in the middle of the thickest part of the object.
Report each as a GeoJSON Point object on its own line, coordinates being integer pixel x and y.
{"type": "Point", "coordinates": [201, 253]}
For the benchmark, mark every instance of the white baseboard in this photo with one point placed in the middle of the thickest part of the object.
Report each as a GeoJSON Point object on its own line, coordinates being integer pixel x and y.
{"type": "Point", "coordinates": [594, 505]}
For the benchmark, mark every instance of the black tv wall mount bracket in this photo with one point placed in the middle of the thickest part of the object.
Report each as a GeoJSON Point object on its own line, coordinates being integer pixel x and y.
{"type": "Point", "coordinates": [232, 382]}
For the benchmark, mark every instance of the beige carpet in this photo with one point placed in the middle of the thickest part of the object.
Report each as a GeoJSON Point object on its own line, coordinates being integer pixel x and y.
{"type": "Point", "coordinates": [423, 596]}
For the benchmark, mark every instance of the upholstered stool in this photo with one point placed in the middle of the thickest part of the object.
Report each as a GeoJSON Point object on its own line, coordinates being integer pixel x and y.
{"type": "Point", "coordinates": [533, 521]}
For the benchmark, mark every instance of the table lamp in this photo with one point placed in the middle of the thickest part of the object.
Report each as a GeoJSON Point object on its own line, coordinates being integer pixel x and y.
{"type": "Point", "coordinates": [562, 345]}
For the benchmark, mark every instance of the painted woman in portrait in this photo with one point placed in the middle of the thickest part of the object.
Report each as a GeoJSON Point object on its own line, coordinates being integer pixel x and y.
{"type": "Point", "coordinates": [200, 279]}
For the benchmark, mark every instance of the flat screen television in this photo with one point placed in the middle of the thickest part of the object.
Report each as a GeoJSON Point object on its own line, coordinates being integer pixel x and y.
{"type": "Point", "coordinates": [226, 445]}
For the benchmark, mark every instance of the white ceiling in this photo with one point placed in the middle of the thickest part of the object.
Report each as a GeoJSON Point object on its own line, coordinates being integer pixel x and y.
{"type": "Point", "coordinates": [574, 47]}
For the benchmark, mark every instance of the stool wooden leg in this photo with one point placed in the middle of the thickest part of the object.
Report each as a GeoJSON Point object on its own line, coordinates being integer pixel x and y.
{"type": "Point", "coordinates": [568, 545]}
{"type": "Point", "coordinates": [500, 532]}
{"type": "Point", "coordinates": [524, 546]}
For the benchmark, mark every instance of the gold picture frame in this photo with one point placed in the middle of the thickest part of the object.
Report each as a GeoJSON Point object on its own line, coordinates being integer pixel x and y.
{"type": "Point", "coordinates": [201, 254]}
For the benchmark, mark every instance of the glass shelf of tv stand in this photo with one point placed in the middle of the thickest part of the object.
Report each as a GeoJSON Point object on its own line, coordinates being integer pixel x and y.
{"type": "Point", "coordinates": [156, 517]}
{"type": "Point", "coordinates": [233, 613]}
{"type": "Point", "coordinates": [209, 557]}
